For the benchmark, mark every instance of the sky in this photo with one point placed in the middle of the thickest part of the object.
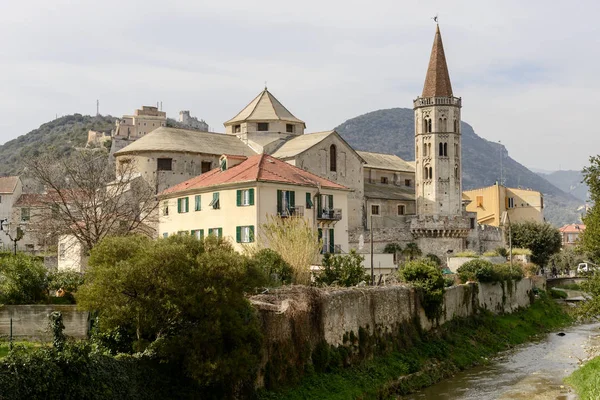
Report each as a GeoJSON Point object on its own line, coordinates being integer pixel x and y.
{"type": "Point", "coordinates": [527, 71]}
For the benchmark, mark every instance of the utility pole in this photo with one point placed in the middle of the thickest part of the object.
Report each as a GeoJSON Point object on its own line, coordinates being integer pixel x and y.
{"type": "Point", "coordinates": [97, 108]}
{"type": "Point", "coordinates": [372, 266]}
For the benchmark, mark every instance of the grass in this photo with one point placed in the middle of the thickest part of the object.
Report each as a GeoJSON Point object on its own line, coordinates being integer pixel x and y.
{"type": "Point", "coordinates": [5, 346]}
{"type": "Point", "coordinates": [569, 286]}
{"type": "Point", "coordinates": [586, 380]}
{"type": "Point", "coordinates": [430, 357]}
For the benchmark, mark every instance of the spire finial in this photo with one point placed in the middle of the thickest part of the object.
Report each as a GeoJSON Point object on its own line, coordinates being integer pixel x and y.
{"type": "Point", "coordinates": [265, 85]}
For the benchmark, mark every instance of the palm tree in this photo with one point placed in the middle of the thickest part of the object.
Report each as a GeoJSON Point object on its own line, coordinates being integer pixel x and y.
{"type": "Point", "coordinates": [412, 251]}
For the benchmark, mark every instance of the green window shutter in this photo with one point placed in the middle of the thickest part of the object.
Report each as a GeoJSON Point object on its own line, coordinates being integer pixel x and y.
{"type": "Point", "coordinates": [320, 232]}
{"type": "Point", "coordinates": [193, 232]}
{"type": "Point", "coordinates": [238, 234]}
{"type": "Point", "coordinates": [292, 201]}
{"type": "Point", "coordinates": [201, 234]}
{"type": "Point", "coordinates": [309, 203]}
{"type": "Point", "coordinates": [187, 204]}
{"type": "Point", "coordinates": [179, 205]}
{"type": "Point", "coordinates": [279, 200]}
{"type": "Point", "coordinates": [251, 233]}
{"type": "Point", "coordinates": [198, 205]}
{"type": "Point", "coordinates": [331, 241]}
{"type": "Point", "coordinates": [330, 201]}
{"type": "Point", "coordinates": [251, 197]}
{"type": "Point", "coordinates": [319, 204]}
{"type": "Point", "coordinates": [220, 231]}
{"type": "Point", "coordinates": [210, 231]}
{"type": "Point", "coordinates": [238, 195]}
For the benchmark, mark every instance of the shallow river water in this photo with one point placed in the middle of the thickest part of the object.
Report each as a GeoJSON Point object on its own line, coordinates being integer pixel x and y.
{"type": "Point", "coordinates": [532, 371]}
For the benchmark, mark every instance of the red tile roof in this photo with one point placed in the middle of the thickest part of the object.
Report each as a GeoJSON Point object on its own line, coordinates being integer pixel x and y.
{"type": "Point", "coordinates": [8, 184]}
{"type": "Point", "coordinates": [572, 228]}
{"type": "Point", "coordinates": [258, 168]}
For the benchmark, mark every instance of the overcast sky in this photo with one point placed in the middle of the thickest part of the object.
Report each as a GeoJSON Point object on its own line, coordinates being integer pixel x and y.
{"type": "Point", "coordinates": [527, 70]}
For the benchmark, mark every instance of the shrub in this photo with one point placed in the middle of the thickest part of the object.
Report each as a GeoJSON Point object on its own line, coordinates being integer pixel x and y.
{"type": "Point", "coordinates": [502, 252]}
{"type": "Point", "coordinates": [468, 271]}
{"type": "Point", "coordinates": [67, 280]}
{"type": "Point", "coordinates": [343, 270]}
{"type": "Point", "coordinates": [492, 253]}
{"type": "Point", "coordinates": [467, 253]}
{"type": "Point", "coordinates": [435, 259]}
{"type": "Point", "coordinates": [529, 269]}
{"type": "Point", "coordinates": [517, 251]}
{"type": "Point", "coordinates": [427, 277]}
{"type": "Point", "coordinates": [276, 270]}
{"type": "Point", "coordinates": [558, 294]}
{"type": "Point", "coordinates": [506, 272]}
{"type": "Point", "coordinates": [22, 280]}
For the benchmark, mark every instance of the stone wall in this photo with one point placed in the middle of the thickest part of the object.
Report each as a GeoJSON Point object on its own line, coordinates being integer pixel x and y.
{"type": "Point", "coordinates": [295, 320]}
{"type": "Point", "coordinates": [31, 321]}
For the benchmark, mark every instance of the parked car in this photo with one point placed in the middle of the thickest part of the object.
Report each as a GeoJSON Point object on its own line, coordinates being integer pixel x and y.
{"type": "Point", "coordinates": [585, 268]}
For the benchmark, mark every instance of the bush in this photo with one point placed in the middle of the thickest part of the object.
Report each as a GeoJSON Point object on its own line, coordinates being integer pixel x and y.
{"type": "Point", "coordinates": [467, 253]}
{"type": "Point", "coordinates": [435, 259]}
{"type": "Point", "coordinates": [427, 277]}
{"type": "Point", "coordinates": [468, 271]}
{"type": "Point", "coordinates": [486, 272]}
{"type": "Point", "coordinates": [276, 270]}
{"type": "Point", "coordinates": [67, 280]}
{"type": "Point", "coordinates": [517, 251]}
{"type": "Point", "coordinates": [502, 252]}
{"type": "Point", "coordinates": [529, 269]}
{"type": "Point", "coordinates": [22, 280]}
{"type": "Point", "coordinates": [343, 270]}
{"type": "Point", "coordinates": [558, 294]}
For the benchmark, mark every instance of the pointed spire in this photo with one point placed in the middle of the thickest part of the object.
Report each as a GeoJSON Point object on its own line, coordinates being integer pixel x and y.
{"type": "Point", "coordinates": [437, 81]}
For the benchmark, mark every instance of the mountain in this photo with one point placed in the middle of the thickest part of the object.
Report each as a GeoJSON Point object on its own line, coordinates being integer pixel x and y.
{"type": "Point", "coordinates": [569, 182]}
{"type": "Point", "coordinates": [392, 131]}
{"type": "Point", "coordinates": [61, 135]}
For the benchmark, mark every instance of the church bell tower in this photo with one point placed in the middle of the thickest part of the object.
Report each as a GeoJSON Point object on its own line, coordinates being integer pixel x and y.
{"type": "Point", "coordinates": [438, 140]}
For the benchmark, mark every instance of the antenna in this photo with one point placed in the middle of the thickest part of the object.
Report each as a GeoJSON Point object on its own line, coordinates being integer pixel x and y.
{"type": "Point", "coordinates": [97, 108]}
{"type": "Point", "coordinates": [161, 106]}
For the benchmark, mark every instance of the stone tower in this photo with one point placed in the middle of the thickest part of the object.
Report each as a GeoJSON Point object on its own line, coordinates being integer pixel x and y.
{"type": "Point", "coordinates": [437, 140]}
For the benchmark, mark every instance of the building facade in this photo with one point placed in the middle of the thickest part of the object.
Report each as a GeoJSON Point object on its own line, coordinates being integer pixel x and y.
{"type": "Point", "coordinates": [570, 234]}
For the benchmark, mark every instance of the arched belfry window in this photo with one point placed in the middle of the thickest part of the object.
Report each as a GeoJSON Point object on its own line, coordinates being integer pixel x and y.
{"type": "Point", "coordinates": [445, 149]}
{"type": "Point", "coordinates": [427, 125]}
{"type": "Point", "coordinates": [455, 125]}
{"type": "Point", "coordinates": [456, 171]}
{"type": "Point", "coordinates": [425, 173]}
{"type": "Point", "coordinates": [416, 152]}
{"type": "Point", "coordinates": [441, 152]}
{"type": "Point", "coordinates": [332, 158]}
{"type": "Point", "coordinates": [430, 173]}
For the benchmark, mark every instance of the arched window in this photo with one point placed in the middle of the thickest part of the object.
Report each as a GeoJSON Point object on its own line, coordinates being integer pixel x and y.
{"type": "Point", "coordinates": [445, 125]}
{"type": "Point", "coordinates": [332, 158]}
{"type": "Point", "coordinates": [416, 152]}
{"type": "Point", "coordinates": [429, 149]}
{"type": "Point", "coordinates": [429, 125]}
{"type": "Point", "coordinates": [455, 125]}
{"type": "Point", "coordinates": [456, 171]}
{"type": "Point", "coordinates": [424, 124]}
{"type": "Point", "coordinates": [426, 172]}
{"type": "Point", "coordinates": [430, 173]}
{"type": "Point", "coordinates": [441, 152]}
{"type": "Point", "coordinates": [445, 149]}
{"type": "Point", "coordinates": [440, 125]}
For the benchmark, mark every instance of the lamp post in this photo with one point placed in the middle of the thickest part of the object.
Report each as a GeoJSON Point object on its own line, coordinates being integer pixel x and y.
{"type": "Point", "coordinates": [5, 227]}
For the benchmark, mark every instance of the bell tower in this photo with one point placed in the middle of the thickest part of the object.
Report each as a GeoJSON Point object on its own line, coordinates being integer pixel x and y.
{"type": "Point", "coordinates": [438, 140]}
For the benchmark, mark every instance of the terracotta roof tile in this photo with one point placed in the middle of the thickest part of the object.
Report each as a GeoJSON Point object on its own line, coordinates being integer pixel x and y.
{"type": "Point", "coordinates": [572, 228]}
{"type": "Point", "coordinates": [258, 168]}
{"type": "Point", "coordinates": [437, 81]}
{"type": "Point", "coordinates": [8, 184]}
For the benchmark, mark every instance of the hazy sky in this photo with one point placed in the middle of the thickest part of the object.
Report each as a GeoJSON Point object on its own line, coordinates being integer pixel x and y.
{"type": "Point", "coordinates": [527, 70]}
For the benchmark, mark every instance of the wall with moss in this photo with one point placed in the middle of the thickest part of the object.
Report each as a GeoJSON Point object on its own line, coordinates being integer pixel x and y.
{"type": "Point", "coordinates": [301, 324]}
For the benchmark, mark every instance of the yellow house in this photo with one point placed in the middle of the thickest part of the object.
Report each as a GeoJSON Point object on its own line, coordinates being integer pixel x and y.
{"type": "Point", "coordinates": [490, 202]}
{"type": "Point", "coordinates": [234, 200]}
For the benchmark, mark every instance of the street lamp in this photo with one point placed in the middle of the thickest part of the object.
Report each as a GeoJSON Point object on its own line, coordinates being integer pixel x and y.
{"type": "Point", "coordinates": [5, 227]}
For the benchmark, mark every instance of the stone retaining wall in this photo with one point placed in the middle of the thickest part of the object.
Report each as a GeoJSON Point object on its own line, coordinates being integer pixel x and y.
{"type": "Point", "coordinates": [31, 321]}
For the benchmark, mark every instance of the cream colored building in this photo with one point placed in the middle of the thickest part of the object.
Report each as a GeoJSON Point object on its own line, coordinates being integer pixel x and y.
{"type": "Point", "coordinates": [234, 200]}
{"type": "Point", "coordinates": [490, 202]}
{"type": "Point", "coordinates": [71, 254]}
{"type": "Point", "coordinates": [10, 191]}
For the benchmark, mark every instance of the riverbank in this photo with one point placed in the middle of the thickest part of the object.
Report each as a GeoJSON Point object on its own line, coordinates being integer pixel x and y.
{"type": "Point", "coordinates": [586, 380]}
{"type": "Point", "coordinates": [427, 357]}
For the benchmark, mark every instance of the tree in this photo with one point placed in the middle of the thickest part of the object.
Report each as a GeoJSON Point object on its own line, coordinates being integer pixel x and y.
{"type": "Point", "coordinates": [343, 270]}
{"type": "Point", "coordinates": [429, 280]}
{"type": "Point", "coordinates": [297, 242]}
{"type": "Point", "coordinates": [412, 251]}
{"type": "Point", "coordinates": [541, 238]}
{"type": "Point", "coordinates": [184, 300]}
{"type": "Point", "coordinates": [87, 199]}
{"type": "Point", "coordinates": [277, 271]}
{"type": "Point", "coordinates": [22, 279]}
{"type": "Point", "coordinates": [566, 259]}
{"type": "Point", "coordinates": [393, 248]}
{"type": "Point", "coordinates": [590, 238]}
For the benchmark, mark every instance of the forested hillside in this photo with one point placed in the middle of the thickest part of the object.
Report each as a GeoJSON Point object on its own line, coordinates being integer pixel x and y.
{"type": "Point", "coordinates": [568, 181]}
{"type": "Point", "coordinates": [392, 131]}
{"type": "Point", "coordinates": [61, 136]}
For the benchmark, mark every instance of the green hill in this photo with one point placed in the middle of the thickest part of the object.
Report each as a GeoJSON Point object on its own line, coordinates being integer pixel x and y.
{"type": "Point", "coordinates": [569, 182]}
{"type": "Point", "coordinates": [392, 131]}
{"type": "Point", "coordinates": [62, 135]}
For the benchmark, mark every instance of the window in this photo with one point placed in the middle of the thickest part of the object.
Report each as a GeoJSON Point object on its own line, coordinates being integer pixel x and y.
{"type": "Point", "coordinates": [164, 164]}
{"type": "Point", "coordinates": [165, 235]}
{"type": "Point", "coordinates": [286, 202]}
{"type": "Point", "coordinates": [427, 125]}
{"type": "Point", "coordinates": [205, 166]}
{"type": "Point", "coordinates": [262, 126]}
{"type": "Point", "coordinates": [384, 179]}
{"type": "Point", "coordinates": [165, 208]}
{"type": "Point", "coordinates": [401, 209]}
{"type": "Point", "coordinates": [426, 172]}
{"type": "Point", "coordinates": [0, 199]}
{"type": "Point", "coordinates": [215, 202]}
{"type": "Point", "coordinates": [441, 149]}
{"type": "Point", "coordinates": [479, 200]}
{"type": "Point", "coordinates": [223, 165]}
{"type": "Point", "coordinates": [197, 233]}
{"type": "Point", "coordinates": [510, 202]}
{"type": "Point", "coordinates": [218, 232]}
{"type": "Point", "coordinates": [245, 197]}
{"type": "Point", "coordinates": [407, 182]}
{"type": "Point", "coordinates": [325, 205]}
{"type": "Point", "coordinates": [25, 214]}
{"type": "Point", "coordinates": [327, 237]}
{"type": "Point", "coordinates": [183, 205]}
{"type": "Point", "coordinates": [237, 128]}
{"type": "Point", "coordinates": [289, 128]}
{"type": "Point", "coordinates": [455, 125]}
{"type": "Point", "coordinates": [332, 158]}
{"type": "Point", "coordinates": [430, 173]}
{"type": "Point", "coordinates": [472, 223]}
{"type": "Point", "coordinates": [456, 174]}
{"type": "Point", "coordinates": [445, 149]}
{"type": "Point", "coordinates": [197, 203]}
{"type": "Point", "coordinates": [244, 234]}
{"type": "Point", "coordinates": [375, 209]}
{"type": "Point", "coordinates": [309, 203]}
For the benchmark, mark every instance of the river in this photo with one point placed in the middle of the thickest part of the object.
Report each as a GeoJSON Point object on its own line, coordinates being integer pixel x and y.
{"type": "Point", "coordinates": [533, 371]}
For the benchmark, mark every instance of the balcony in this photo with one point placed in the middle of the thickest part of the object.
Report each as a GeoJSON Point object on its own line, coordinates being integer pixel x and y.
{"type": "Point", "coordinates": [297, 211]}
{"type": "Point", "coordinates": [436, 101]}
{"type": "Point", "coordinates": [333, 214]}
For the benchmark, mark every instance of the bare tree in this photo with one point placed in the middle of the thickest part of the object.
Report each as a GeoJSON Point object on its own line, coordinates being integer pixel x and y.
{"type": "Point", "coordinates": [85, 197]}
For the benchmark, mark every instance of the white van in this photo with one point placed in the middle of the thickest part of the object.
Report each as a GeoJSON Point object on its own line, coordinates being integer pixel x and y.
{"type": "Point", "coordinates": [585, 267]}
